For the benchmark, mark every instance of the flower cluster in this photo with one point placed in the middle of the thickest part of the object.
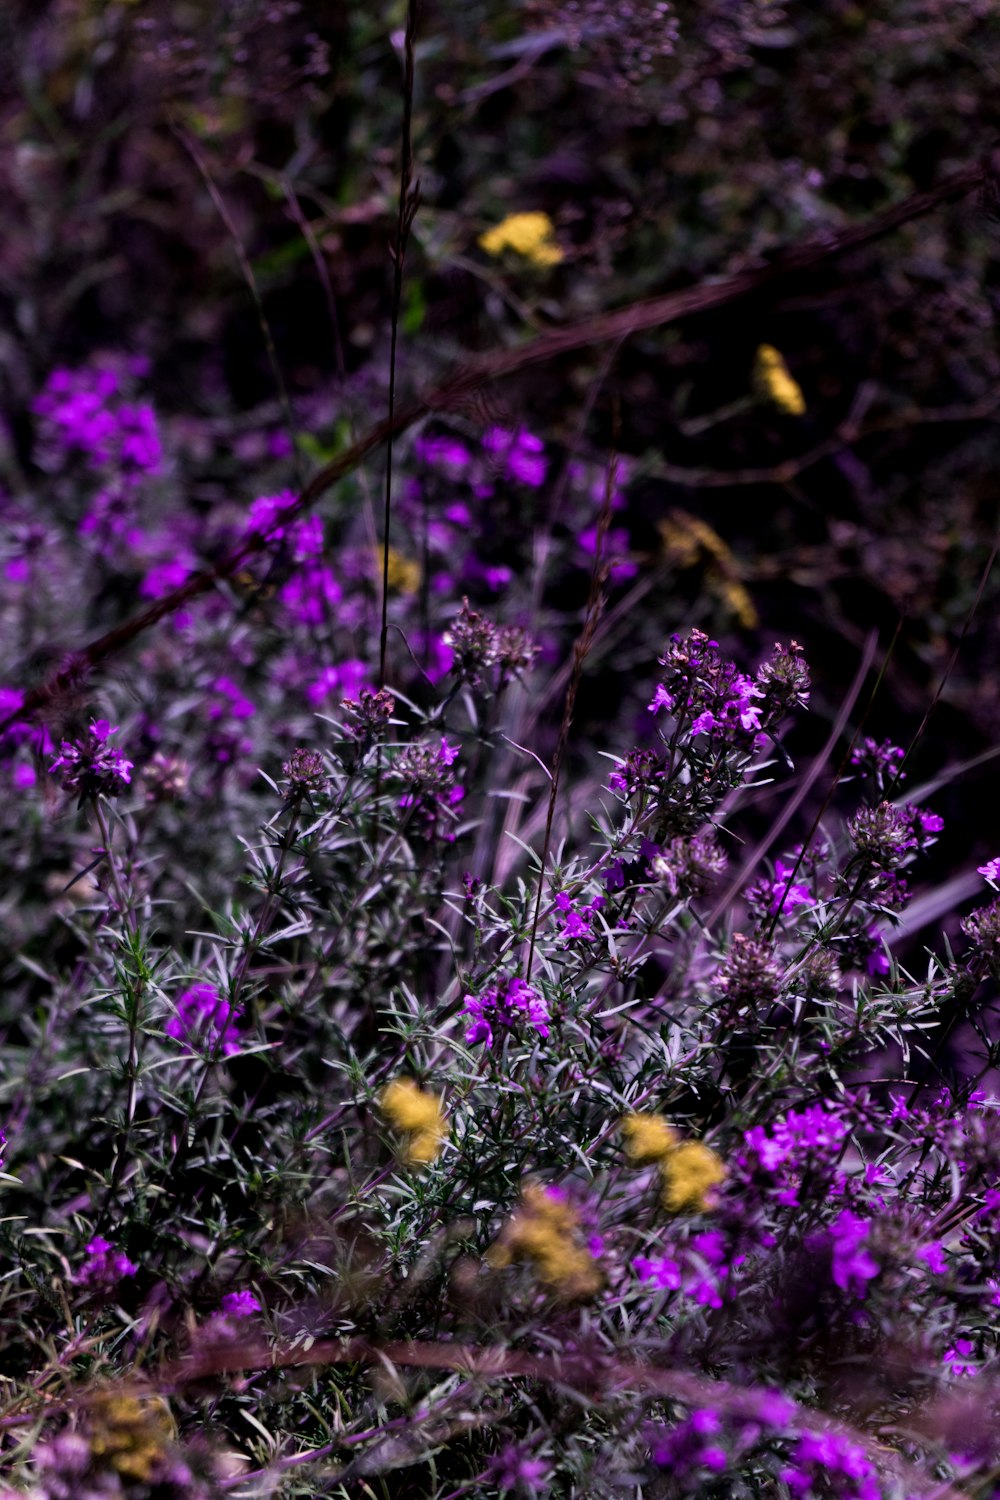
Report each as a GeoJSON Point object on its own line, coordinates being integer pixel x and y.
{"type": "Point", "coordinates": [85, 413]}
{"type": "Point", "coordinates": [888, 836]}
{"type": "Point", "coordinates": [432, 792]}
{"type": "Point", "coordinates": [779, 1155]}
{"type": "Point", "coordinates": [205, 1021]}
{"type": "Point", "coordinates": [229, 1321]}
{"type": "Point", "coordinates": [826, 1462]}
{"type": "Point", "coordinates": [501, 1008]}
{"type": "Point", "coordinates": [546, 1231]}
{"type": "Point", "coordinates": [689, 1171]}
{"type": "Point", "coordinates": [104, 1267]}
{"type": "Point", "coordinates": [707, 695]}
{"type": "Point", "coordinates": [530, 235]}
{"type": "Point", "coordinates": [773, 382]}
{"type": "Point", "coordinates": [880, 761]}
{"type": "Point", "coordinates": [700, 1269]}
{"type": "Point", "coordinates": [419, 1116]}
{"type": "Point", "coordinates": [749, 976]}
{"type": "Point", "coordinates": [93, 766]}
{"type": "Point", "coordinates": [480, 648]}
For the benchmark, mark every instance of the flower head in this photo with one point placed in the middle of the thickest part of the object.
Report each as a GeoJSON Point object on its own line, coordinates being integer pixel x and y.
{"type": "Point", "coordinates": [774, 383]}
{"type": "Point", "coordinates": [688, 1175]}
{"type": "Point", "coordinates": [546, 1231]}
{"type": "Point", "coordinates": [104, 1267]}
{"type": "Point", "coordinates": [206, 1020]}
{"type": "Point", "coordinates": [91, 765]}
{"type": "Point", "coordinates": [418, 1115]}
{"type": "Point", "coordinates": [531, 235]}
{"type": "Point", "coordinates": [504, 1006]}
{"type": "Point", "coordinates": [648, 1138]}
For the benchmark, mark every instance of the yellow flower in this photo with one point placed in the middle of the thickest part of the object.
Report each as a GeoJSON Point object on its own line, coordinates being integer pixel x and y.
{"type": "Point", "coordinates": [420, 1115]}
{"type": "Point", "coordinates": [647, 1138]}
{"type": "Point", "coordinates": [404, 572]}
{"type": "Point", "coordinates": [688, 1174]}
{"type": "Point", "coordinates": [774, 383]}
{"type": "Point", "coordinates": [545, 1231]}
{"type": "Point", "coordinates": [530, 235]}
{"type": "Point", "coordinates": [687, 540]}
{"type": "Point", "coordinates": [130, 1433]}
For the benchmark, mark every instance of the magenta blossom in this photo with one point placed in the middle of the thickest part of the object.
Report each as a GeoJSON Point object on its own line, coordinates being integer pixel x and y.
{"type": "Point", "coordinates": [503, 1006]}
{"type": "Point", "coordinates": [104, 1266]}
{"type": "Point", "coordinates": [786, 893]}
{"type": "Point", "coordinates": [205, 1021]}
{"type": "Point", "coordinates": [92, 766]}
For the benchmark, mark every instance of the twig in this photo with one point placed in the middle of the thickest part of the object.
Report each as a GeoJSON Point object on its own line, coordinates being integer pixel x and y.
{"type": "Point", "coordinates": [472, 376]}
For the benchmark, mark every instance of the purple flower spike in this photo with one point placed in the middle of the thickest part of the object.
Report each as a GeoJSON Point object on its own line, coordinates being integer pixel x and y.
{"type": "Point", "coordinates": [92, 766]}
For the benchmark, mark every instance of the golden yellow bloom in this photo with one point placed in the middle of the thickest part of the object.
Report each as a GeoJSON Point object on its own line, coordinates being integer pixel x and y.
{"type": "Point", "coordinates": [131, 1433]}
{"type": "Point", "coordinates": [688, 1174]}
{"type": "Point", "coordinates": [530, 235]}
{"type": "Point", "coordinates": [647, 1138]}
{"type": "Point", "coordinates": [404, 572]}
{"type": "Point", "coordinates": [420, 1115]}
{"type": "Point", "coordinates": [545, 1231]}
{"type": "Point", "coordinates": [774, 383]}
{"type": "Point", "coordinates": [688, 540]}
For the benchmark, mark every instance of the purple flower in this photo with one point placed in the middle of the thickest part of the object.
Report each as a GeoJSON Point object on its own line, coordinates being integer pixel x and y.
{"type": "Point", "coordinates": [990, 871]}
{"type": "Point", "coordinates": [745, 711]}
{"type": "Point", "coordinates": [504, 1005]}
{"type": "Point", "coordinates": [576, 920]}
{"type": "Point", "coordinates": [434, 654]}
{"type": "Point", "coordinates": [92, 766]}
{"type": "Point", "coordinates": [303, 538]}
{"type": "Point", "coordinates": [240, 1305]}
{"type": "Point", "coordinates": [665, 1272]}
{"type": "Point", "coordinates": [513, 1469]}
{"type": "Point", "coordinates": [661, 699]}
{"type": "Point", "coordinates": [851, 1265]}
{"type": "Point", "coordinates": [445, 453]}
{"type": "Point", "coordinates": [690, 1446]}
{"type": "Point", "coordinates": [230, 701]}
{"type": "Point", "coordinates": [840, 1467]}
{"type": "Point", "coordinates": [520, 454]}
{"type": "Point", "coordinates": [163, 577]}
{"type": "Point", "coordinates": [614, 551]}
{"type": "Point", "coordinates": [880, 760]}
{"type": "Point", "coordinates": [933, 1254]}
{"type": "Point", "coordinates": [803, 1140]}
{"type": "Point", "coordinates": [957, 1359]}
{"type": "Point", "coordinates": [348, 680]}
{"type": "Point", "coordinates": [924, 824]}
{"type": "Point", "coordinates": [138, 439]}
{"type": "Point", "coordinates": [226, 708]}
{"type": "Point", "coordinates": [82, 410]}
{"type": "Point", "coordinates": [311, 595]}
{"type": "Point", "coordinates": [104, 1266]}
{"type": "Point", "coordinates": [205, 1021]}
{"type": "Point", "coordinates": [785, 895]}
